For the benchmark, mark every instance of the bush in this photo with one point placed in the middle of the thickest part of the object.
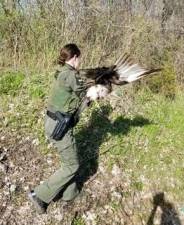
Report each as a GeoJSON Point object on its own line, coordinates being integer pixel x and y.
{"type": "Point", "coordinates": [165, 82]}
{"type": "Point", "coordinates": [11, 82]}
{"type": "Point", "coordinates": [36, 88]}
{"type": "Point", "coordinates": [36, 92]}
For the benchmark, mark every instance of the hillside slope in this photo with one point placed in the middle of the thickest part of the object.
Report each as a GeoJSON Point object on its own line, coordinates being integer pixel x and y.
{"type": "Point", "coordinates": [131, 149]}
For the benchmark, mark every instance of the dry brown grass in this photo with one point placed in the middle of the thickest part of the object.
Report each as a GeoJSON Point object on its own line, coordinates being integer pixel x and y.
{"type": "Point", "coordinates": [31, 35]}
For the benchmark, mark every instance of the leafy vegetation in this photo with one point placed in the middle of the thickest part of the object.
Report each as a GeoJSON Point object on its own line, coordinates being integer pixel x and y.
{"type": "Point", "coordinates": [132, 143]}
{"type": "Point", "coordinates": [146, 143]}
{"type": "Point", "coordinates": [10, 83]}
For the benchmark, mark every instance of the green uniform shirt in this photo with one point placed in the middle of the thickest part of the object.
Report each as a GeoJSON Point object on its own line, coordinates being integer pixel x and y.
{"type": "Point", "coordinates": [67, 91]}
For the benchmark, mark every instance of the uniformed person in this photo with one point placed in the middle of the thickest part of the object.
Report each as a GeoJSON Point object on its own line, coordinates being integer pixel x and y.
{"type": "Point", "coordinates": [66, 96]}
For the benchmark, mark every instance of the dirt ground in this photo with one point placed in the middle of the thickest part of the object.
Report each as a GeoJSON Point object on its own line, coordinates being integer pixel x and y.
{"type": "Point", "coordinates": [106, 196]}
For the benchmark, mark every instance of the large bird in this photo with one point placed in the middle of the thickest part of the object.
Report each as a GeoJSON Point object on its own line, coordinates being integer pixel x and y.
{"type": "Point", "coordinates": [124, 71]}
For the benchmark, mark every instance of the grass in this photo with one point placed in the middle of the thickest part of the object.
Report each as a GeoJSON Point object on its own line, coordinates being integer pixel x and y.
{"type": "Point", "coordinates": [11, 82]}
{"type": "Point", "coordinates": [146, 143]}
{"type": "Point", "coordinates": [78, 221]}
{"type": "Point", "coordinates": [154, 151]}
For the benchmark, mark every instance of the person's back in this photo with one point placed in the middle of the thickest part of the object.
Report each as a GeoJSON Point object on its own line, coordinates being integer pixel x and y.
{"type": "Point", "coordinates": [67, 91]}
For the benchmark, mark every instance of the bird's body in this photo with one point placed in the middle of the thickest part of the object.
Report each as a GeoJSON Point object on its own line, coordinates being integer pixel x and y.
{"type": "Point", "coordinates": [97, 92]}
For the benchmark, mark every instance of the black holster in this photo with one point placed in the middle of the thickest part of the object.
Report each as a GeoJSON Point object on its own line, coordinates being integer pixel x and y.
{"type": "Point", "coordinates": [64, 122]}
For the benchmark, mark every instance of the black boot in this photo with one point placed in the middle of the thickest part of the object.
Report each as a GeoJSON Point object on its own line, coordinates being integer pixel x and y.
{"type": "Point", "coordinates": [40, 206]}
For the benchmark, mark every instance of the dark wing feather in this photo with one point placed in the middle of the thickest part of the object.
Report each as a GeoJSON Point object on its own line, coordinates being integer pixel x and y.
{"type": "Point", "coordinates": [100, 75]}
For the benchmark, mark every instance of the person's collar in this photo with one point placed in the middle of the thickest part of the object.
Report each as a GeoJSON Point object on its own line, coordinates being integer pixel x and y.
{"type": "Point", "coordinates": [65, 66]}
{"type": "Point", "coordinates": [69, 66]}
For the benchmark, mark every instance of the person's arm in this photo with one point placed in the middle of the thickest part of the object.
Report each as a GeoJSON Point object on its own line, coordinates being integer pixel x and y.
{"type": "Point", "coordinates": [78, 83]}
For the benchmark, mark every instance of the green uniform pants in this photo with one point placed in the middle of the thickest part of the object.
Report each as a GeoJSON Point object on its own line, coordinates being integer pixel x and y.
{"type": "Point", "coordinates": [64, 178]}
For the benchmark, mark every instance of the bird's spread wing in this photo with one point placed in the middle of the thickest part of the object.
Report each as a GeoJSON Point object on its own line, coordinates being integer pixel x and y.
{"type": "Point", "coordinates": [128, 71]}
{"type": "Point", "coordinates": [122, 72]}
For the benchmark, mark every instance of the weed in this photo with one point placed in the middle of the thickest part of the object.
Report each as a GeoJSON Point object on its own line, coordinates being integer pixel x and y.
{"type": "Point", "coordinates": [36, 87]}
{"type": "Point", "coordinates": [11, 82]}
{"type": "Point", "coordinates": [78, 221]}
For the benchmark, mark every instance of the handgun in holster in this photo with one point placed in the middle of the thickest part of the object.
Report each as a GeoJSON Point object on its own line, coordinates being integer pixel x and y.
{"type": "Point", "coordinates": [64, 123]}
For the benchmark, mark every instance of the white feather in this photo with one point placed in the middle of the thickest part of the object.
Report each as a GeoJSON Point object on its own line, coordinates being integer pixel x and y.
{"type": "Point", "coordinates": [96, 92]}
{"type": "Point", "coordinates": [128, 72]}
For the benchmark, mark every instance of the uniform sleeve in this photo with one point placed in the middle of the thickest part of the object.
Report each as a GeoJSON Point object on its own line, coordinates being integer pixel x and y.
{"type": "Point", "coordinates": [72, 82]}
{"type": "Point", "coordinates": [77, 84]}
{"type": "Point", "coordinates": [64, 80]}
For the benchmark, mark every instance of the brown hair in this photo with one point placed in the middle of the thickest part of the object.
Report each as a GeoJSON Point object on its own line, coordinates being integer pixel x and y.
{"type": "Point", "coordinates": [68, 52]}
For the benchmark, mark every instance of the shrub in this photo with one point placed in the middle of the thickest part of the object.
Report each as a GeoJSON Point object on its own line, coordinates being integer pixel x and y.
{"type": "Point", "coordinates": [36, 88]}
{"type": "Point", "coordinates": [165, 82]}
{"type": "Point", "coordinates": [36, 92]}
